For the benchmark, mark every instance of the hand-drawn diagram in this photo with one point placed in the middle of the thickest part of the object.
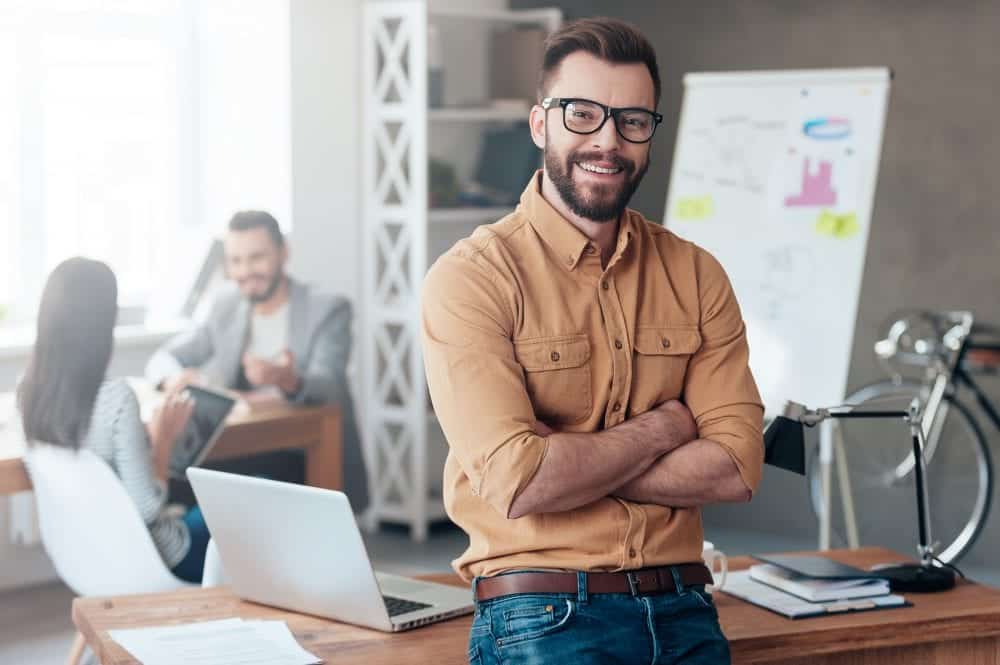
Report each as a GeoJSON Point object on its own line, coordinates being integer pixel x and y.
{"type": "Point", "coordinates": [787, 276]}
{"type": "Point", "coordinates": [827, 129]}
{"type": "Point", "coordinates": [732, 153]}
{"type": "Point", "coordinates": [817, 188]}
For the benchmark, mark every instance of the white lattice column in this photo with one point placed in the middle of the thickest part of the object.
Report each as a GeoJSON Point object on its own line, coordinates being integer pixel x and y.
{"type": "Point", "coordinates": [395, 221]}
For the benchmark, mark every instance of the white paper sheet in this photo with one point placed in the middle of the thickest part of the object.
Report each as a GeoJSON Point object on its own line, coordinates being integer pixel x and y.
{"type": "Point", "coordinates": [223, 642]}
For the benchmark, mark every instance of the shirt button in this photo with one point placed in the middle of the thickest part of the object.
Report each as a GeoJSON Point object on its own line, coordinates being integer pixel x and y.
{"type": "Point", "coordinates": [631, 552]}
{"type": "Point", "coordinates": [555, 356]}
{"type": "Point", "coordinates": [618, 344]}
{"type": "Point", "coordinates": [605, 286]}
{"type": "Point", "coordinates": [617, 406]}
{"type": "Point", "coordinates": [665, 342]}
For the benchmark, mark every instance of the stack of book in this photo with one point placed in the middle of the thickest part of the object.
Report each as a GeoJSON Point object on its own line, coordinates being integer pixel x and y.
{"type": "Point", "coordinates": [798, 587]}
{"type": "Point", "coordinates": [816, 590]}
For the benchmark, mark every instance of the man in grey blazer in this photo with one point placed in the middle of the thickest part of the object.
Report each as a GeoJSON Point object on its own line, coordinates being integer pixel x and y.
{"type": "Point", "coordinates": [269, 332]}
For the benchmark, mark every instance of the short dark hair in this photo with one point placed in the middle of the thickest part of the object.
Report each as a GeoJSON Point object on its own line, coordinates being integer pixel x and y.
{"type": "Point", "coordinates": [76, 323]}
{"type": "Point", "coordinates": [246, 220]}
{"type": "Point", "coordinates": [607, 38]}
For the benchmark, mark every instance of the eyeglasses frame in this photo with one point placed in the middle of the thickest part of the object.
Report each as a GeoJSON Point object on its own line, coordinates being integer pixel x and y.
{"type": "Point", "coordinates": [609, 111]}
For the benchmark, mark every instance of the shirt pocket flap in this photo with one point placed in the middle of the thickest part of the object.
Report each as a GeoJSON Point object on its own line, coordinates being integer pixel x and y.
{"type": "Point", "coordinates": [550, 353]}
{"type": "Point", "coordinates": [667, 341]}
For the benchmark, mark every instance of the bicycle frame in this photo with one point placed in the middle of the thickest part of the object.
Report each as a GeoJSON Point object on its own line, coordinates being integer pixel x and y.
{"type": "Point", "coordinates": [962, 376]}
{"type": "Point", "coordinates": [946, 382]}
{"type": "Point", "coordinates": [945, 373]}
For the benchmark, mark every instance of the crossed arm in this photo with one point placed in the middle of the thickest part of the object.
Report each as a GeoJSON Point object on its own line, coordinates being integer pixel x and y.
{"type": "Point", "coordinates": [520, 468]}
{"type": "Point", "coordinates": [654, 458]}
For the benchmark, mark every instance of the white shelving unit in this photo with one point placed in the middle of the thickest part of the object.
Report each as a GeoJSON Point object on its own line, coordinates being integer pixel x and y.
{"type": "Point", "coordinates": [404, 445]}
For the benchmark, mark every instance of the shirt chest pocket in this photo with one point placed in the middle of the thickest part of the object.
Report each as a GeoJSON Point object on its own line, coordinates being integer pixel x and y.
{"type": "Point", "coordinates": [659, 364]}
{"type": "Point", "coordinates": [557, 376]}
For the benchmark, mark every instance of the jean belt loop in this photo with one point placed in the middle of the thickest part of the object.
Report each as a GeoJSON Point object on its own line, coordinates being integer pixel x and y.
{"type": "Point", "coordinates": [676, 572]}
{"type": "Point", "coordinates": [581, 587]}
{"type": "Point", "coordinates": [475, 600]}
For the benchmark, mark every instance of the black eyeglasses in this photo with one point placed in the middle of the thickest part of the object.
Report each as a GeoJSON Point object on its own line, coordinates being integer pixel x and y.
{"type": "Point", "coordinates": [583, 116]}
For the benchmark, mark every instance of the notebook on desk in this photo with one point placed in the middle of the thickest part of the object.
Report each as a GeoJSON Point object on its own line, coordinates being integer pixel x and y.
{"type": "Point", "coordinates": [817, 590]}
{"type": "Point", "coordinates": [740, 585]}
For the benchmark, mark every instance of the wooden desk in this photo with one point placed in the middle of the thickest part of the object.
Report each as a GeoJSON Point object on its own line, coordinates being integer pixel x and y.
{"type": "Point", "coordinates": [315, 429]}
{"type": "Point", "coordinates": [957, 627]}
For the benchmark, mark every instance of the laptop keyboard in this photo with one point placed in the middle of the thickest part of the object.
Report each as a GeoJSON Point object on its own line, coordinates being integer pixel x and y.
{"type": "Point", "coordinates": [397, 606]}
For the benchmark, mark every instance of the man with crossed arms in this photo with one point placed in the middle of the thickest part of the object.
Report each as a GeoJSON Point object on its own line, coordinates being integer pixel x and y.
{"type": "Point", "coordinates": [589, 369]}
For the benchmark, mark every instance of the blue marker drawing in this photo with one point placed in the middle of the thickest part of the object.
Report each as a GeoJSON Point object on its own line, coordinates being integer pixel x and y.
{"type": "Point", "coordinates": [827, 129]}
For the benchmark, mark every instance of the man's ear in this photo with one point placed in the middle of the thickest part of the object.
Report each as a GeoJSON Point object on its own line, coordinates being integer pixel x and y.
{"type": "Point", "coordinates": [537, 123]}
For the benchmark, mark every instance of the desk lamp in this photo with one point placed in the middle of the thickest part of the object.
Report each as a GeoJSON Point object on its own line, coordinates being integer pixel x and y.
{"type": "Point", "coordinates": [784, 447]}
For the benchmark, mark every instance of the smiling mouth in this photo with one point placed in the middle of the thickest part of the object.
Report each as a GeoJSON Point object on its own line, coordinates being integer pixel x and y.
{"type": "Point", "coordinates": [590, 167]}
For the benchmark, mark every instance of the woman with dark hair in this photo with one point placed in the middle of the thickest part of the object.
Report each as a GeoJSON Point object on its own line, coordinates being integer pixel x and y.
{"type": "Point", "coordinates": [65, 399]}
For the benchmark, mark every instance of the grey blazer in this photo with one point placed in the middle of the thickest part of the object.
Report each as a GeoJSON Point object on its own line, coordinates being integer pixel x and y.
{"type": "Point", "coordinates": [319, 337]}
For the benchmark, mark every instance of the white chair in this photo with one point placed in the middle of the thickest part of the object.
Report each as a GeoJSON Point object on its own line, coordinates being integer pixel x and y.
{"type": "Point", "coordinates": [92, 531]}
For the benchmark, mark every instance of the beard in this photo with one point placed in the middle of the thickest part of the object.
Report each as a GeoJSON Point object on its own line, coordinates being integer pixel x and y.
{"type": "Point", "coordinates": [257, 298]}
{"type": "Point", "coordinates": [606, 202]}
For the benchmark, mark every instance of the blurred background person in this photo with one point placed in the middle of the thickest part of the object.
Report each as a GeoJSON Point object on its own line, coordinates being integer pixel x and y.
{"type": "Point", "coordinates": [266, 333]}
{"type": "Point", "coordinates": [66, 399]}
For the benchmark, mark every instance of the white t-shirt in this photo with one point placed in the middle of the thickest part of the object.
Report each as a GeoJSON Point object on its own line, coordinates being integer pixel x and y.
{"type": "Point", "coordinates": [269, 334]}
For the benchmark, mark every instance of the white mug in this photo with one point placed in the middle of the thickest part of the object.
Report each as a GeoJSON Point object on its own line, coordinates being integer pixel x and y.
{"type": "Point", "coordinates": [710, 555]}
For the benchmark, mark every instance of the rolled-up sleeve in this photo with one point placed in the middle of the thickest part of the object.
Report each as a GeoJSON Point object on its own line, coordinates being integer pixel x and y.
{"type": "Point", "coordinates": [719, 388]}
{"type": "Point", "coordinates": [476, 385]}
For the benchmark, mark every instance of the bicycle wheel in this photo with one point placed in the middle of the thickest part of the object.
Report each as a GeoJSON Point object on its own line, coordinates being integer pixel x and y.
{"type": "Point", "coordinates": [879, 459]}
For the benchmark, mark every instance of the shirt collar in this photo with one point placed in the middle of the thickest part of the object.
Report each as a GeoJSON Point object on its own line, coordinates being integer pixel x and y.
{"type": "Point", "coordinates": [558, 233]}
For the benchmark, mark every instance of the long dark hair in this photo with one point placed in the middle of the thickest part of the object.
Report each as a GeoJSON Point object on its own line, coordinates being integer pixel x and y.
{"type": "Point", "coordinates": [76, 321]}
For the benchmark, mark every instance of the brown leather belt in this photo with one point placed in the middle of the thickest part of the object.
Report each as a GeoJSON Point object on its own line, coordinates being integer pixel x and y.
{"type": "Point", "coordinates": [642, 582]}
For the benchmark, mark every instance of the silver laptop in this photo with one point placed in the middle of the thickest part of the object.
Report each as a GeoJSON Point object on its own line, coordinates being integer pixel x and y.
{"type": "Point", "coordinates": [299, 548]}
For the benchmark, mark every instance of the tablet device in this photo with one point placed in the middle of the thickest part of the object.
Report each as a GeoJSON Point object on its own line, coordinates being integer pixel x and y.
{"type": "Point", "coordinates": [208, 419]}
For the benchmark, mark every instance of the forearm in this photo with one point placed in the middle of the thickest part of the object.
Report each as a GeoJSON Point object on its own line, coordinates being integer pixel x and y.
{"type": "Point", "coordinates": [580, 468]}
{"type": "Point", "coordinates": [696, 474]}
{"type": "Point", "coordinates": [162, 366]}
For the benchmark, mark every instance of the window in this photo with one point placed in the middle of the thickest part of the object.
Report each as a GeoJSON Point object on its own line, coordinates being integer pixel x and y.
{"type": "Point", "coordinates": [118, 139]}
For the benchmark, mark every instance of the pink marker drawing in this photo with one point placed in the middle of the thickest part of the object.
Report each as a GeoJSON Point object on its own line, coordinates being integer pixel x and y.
{"type": "Point", "coordinates": [817, 190]}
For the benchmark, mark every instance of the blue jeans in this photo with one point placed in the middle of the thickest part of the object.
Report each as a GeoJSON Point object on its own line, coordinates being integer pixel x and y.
{"type": "Point", "coordinates": [608, 628]}
{"type": "Point", "coordinates": [192, 566]}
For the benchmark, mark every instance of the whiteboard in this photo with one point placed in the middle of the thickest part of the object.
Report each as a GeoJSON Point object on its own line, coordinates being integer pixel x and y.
{"type": "Point", "coordinates": [774, 173]}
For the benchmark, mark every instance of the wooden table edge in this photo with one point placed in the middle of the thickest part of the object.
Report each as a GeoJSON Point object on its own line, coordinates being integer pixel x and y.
{"type": "Point", "coordinates": [957, 627]}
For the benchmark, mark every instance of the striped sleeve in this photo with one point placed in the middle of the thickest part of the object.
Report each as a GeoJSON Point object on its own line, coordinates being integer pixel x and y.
{"type": "Point", "coordinates": [118, 435]}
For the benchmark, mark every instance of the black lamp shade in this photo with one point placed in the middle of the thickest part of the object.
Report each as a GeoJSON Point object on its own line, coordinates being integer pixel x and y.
{"type": "Point", "coordinates": [785, 445]}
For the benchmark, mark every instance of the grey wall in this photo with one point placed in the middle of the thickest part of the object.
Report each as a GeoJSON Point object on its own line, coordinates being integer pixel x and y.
{"type": "Point", "coordinates": [934, 240]}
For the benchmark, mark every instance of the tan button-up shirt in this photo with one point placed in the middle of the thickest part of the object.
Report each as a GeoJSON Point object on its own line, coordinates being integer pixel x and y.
{"type": "Point", "coordinates": [521, 322]}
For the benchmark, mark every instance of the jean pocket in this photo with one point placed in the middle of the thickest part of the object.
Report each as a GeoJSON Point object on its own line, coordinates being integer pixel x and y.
{"type": "Point", "coordinates": [701, 596]}
{"type": "Point", "coordinates": [474, 656]}
{"type": "Point", "coordinates": [535, 618]}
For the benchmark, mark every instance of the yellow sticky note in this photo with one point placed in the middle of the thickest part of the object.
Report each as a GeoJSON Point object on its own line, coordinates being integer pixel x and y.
{"type": "Point", "coordinates": [837, 226]}
{"type": "Point", "coordinates": [694, 208]}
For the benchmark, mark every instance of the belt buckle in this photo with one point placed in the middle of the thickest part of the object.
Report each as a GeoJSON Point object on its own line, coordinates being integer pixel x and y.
{"type": "Point", "coordinates": [633, 583]}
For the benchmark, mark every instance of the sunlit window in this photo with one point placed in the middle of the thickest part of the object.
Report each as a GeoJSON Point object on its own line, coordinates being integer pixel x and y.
{"type": "Point", "coordinates": [118, 139]}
